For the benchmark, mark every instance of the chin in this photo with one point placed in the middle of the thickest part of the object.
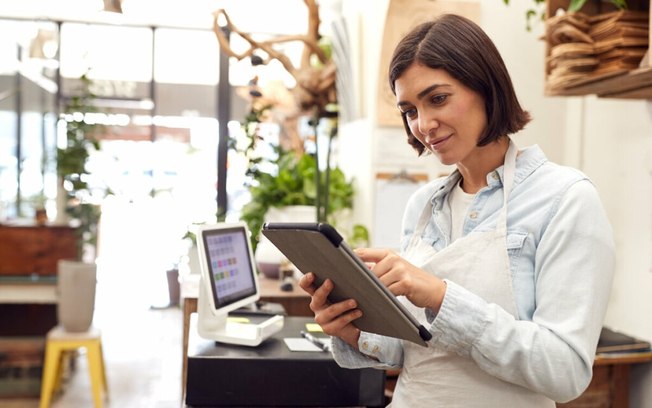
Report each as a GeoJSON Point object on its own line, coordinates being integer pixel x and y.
{"type": "Point", "coordinates": [445, 160]}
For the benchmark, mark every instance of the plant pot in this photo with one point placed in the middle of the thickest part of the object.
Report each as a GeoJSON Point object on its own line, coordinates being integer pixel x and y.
{"type": "Point", "coordinates": [76, 284]}
{"type": "Point", "coordinates": [41, 216]}
{"type": "Point", "coordinates": [174, 287]}
{"type": "Point", "coordinates": [193, 260]}
{"type": "Point", "coordinates": [269, 258]}
{"type": "Point", "coordinates": [62, 202]}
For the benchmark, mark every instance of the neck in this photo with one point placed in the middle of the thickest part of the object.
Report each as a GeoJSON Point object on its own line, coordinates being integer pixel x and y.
{"type": "Point", "coordinates": [485, 160]}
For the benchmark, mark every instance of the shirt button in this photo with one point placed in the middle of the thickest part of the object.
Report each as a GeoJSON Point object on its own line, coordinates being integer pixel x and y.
{"type": "Point", "coordinates": [375, 349]}
{"type": "Point", "coordinates": [494, 175]}
{"type": "Point", "coordinates": [473, 215]}
{"type": "Point", "coordinates": [365, 345]}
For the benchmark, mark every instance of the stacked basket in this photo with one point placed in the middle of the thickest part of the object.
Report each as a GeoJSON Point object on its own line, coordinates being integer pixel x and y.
{"type": "Point", "coordinates": [584, 49]}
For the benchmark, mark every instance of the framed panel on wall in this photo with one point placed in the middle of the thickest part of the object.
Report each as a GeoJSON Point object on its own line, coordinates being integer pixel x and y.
{"type": "Point", "coordinates": [402, 16]}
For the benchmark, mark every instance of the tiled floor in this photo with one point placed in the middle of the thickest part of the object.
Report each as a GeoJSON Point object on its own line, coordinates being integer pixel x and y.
{"type": "Point", "coordinates": [142, 344]}
{"type": "Point", "coordinates": [142, 347]}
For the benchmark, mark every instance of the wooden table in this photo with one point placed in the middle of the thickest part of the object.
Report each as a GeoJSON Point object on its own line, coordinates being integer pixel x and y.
{"type": "Point", "coordinates": [29, 254]}
{"type": "Point", "coordinates": [609, 386]}
{"type": "Point", "coordinates": [296, 303]}
{"type": "Point", "coordinates": [34, 250]}
{"type": "Point", "coordinates": [28, 305]}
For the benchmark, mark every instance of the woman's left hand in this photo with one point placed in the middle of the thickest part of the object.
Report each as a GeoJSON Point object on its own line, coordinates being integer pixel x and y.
{"type": "Point", "coordinates": [402, 278]}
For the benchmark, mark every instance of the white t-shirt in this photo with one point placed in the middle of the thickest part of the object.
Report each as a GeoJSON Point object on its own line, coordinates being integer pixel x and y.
{"type": "Point", "coordinates": [459, 201]}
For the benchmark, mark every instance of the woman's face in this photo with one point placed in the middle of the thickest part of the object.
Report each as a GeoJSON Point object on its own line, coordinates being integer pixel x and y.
{"type": "Point", "coordinates": [444, 115]}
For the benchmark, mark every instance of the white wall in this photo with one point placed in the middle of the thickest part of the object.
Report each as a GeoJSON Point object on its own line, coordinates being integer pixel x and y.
{"type": "Point", "coordinates": [617, 155]}
{"type": "Point", "coordinates": [610, 140]}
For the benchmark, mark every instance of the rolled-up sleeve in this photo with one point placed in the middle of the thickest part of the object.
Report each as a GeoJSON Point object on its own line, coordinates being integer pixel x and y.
{"type": "Point", "coordinates": [553, 352]}
{"type": "Point", "coordinates": [375, 351]}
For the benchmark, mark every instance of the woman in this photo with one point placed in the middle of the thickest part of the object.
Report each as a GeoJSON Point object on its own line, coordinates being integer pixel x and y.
{"type": "Point", "coordinates": [508, 261]}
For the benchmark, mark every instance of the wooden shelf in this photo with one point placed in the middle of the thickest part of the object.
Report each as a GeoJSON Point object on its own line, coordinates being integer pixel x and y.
{"type": "Point", "coordinates": [623, 358]}
{"type": "Point", "coordinates": [625, 84]}
{"type": "Point", "coordinates": [635, 84]}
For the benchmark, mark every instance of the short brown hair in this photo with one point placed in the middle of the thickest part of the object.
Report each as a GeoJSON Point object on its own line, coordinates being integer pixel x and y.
{"type": "Point", "coordinates": [461, 48]}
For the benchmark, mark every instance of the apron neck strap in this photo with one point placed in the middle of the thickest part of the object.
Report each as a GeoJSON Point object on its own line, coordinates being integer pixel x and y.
{"type": "Point", "coordinates": [508, 181]}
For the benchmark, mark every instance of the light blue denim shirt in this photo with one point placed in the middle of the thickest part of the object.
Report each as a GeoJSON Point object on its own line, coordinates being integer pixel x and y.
{"type": "Point", "coordinates": [561, 254]}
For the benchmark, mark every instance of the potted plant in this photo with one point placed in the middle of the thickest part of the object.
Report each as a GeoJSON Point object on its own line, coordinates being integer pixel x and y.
{"type": "Point", "coordinates": [294, 176]}
{"type": "Point", "coordinates": [79, 199]}
{"type": "Point", "coordinates": [77, 277]}
{"type": "Point", "coordinates": [37, 202]}
{"type": "Point", "coordinates": [293, 183]}
{"type": "Point", "coordinates": [289, 193]}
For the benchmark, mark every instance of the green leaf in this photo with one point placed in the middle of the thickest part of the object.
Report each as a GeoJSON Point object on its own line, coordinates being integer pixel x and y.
{"type": "Point", "coordinates": [621, 4]}
{"type": "Point", "coordinates": [529, 14]}
{"type": "Point", "coordinates": [575, 5]}
{"type": "Point", "coordinates": [293, 183]}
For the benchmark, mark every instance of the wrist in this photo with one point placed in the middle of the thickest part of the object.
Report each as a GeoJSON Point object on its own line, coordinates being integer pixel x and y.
{"type": "Point", "coordinates": [355, 338]}
{"type": "Point", "coordinates": [438, 299]}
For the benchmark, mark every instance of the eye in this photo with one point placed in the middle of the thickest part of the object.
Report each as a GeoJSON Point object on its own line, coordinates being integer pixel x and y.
{"type": "Point", "coordinates": [439, 99]}
{"type": "Point", "coordinates": [409, 113]}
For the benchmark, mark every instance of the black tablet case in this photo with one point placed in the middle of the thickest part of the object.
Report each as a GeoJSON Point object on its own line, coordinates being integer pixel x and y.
{"type": "Point", "coordinates": [315, 247]}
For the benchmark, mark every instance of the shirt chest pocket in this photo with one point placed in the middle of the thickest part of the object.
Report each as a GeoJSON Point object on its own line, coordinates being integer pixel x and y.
{"type": "Point", "coordinates": [430, 237]}
{"type": "Point", "coordinates": [515, 242]}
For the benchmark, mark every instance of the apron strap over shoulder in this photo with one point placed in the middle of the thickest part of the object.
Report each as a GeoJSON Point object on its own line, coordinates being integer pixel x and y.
{"type": "Point", "coordinates": [508, 182]}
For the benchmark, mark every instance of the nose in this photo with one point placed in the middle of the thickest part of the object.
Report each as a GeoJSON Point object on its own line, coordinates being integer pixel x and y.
{"type": "Point", "coordinates": [428, 126]}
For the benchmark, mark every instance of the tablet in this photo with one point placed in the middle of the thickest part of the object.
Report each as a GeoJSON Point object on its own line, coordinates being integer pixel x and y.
{"type": "Point", "coordinates": [319, 248]}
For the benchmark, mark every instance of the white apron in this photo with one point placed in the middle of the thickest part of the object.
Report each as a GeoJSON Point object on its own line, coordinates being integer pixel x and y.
{"type": "Point", "coordinates": [433, 377]}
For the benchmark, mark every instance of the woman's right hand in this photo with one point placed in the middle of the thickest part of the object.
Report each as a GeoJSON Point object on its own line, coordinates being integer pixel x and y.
{"type": "Point", "coordinates": [335, 319]}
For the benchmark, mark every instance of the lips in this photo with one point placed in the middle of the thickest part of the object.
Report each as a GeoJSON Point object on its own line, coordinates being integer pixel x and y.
{"type": "Point", "coordinates": [438, 143]}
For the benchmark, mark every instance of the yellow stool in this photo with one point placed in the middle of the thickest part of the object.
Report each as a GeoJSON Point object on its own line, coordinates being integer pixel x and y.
{"type": "Point", "coordinates": [58, 342]}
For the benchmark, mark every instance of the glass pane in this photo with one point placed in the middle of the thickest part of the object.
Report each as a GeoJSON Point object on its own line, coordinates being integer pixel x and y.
{"type": "Point", "coordinates": [31, 178]}
{"type": "Point", "coordinates": [8, 163]}
{"type": "Point", "coordinates": [186, 57]}
{"type": "Point", "coordinates": [28, 69]}
{"type": "Point", "coordinates": [50, 170]}
{"type": "Point", "coordinates": [193, 100]}
{"type": "Point", "coordinates": [11, 34]}
{"type": "Point", "coordinates": [110, 52]}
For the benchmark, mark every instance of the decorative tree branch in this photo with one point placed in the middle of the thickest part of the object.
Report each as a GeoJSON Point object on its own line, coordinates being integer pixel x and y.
{"type": "Point", "coordinates": [315, 86]}
{"type": "Point", "coordinates": [314, 90]}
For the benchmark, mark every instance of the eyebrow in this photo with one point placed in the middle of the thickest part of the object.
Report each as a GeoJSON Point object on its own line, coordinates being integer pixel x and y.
{"type": "Point", "coordinates": [422, 94]}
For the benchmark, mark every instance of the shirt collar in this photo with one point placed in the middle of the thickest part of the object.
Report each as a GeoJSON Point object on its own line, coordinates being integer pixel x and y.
{"type": "Point", "coordinates": [528, 160]}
